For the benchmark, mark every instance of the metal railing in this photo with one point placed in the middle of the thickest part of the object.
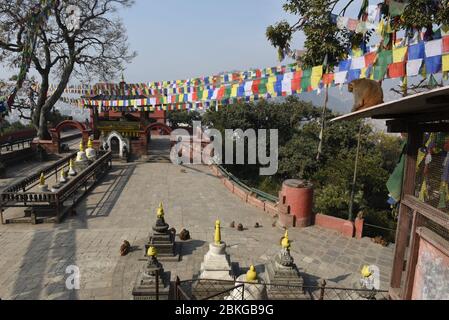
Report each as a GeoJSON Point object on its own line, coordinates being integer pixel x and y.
{"type": "Point", "coordinates": [209, 289]}
{"type": "Point", "coordinates": [20, 145]}
{"type": "Point", "coordinates": [19, 194]}
{"type": "Point", "coordinates": [258, 193]}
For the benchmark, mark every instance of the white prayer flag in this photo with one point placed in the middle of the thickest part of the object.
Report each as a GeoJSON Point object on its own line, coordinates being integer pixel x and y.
{"type": "Point", "coordinates": [286, 85]}
{"type": "Point", "coordinates": [248, 88]}
{"type": "Point", "coordinates": [358, 63]}
{"type": "Point", "coordinates": [340, 77]}
{"type": "Point", "coordinates": [434, 48]}
{"type": "Point", "coordinates": [413, 67]}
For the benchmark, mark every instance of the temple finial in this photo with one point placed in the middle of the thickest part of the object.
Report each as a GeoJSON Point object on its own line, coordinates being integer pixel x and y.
{"type": "Point", "coordinates": [217, 237]}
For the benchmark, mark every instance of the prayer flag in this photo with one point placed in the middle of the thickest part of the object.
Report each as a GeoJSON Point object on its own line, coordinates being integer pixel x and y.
{"type": "Point", "coordinates": [399, 54]}
{"type": "Point", "coordinates": [433, 64]}
{"type": "Point", "coordinates": [396, 70]}
{"type": "Point", "coordinates": [416, 51]}
{"type": "Point", "coordinates": [434, 48]}
{"type": "Point", "coordinates": [446, 62]}
{"type": "Point", "coordinates": [413, 67]}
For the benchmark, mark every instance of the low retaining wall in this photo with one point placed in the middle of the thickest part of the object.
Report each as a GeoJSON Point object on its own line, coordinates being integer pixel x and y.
{"type": "Point", "coordinates": [18, 135]}
{"type": "Point", "coordinates": [345, 227]}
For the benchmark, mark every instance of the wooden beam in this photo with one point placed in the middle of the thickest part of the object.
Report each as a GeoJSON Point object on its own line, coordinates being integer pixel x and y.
{"type": "Point", "coordinates": [400, 126]}
{"type": "Point", "coordinates": [408, 187]}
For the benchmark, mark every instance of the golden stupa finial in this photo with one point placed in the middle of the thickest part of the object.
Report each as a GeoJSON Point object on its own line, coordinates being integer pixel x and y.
{"type": "Point", "coordinates": [42, 179]}
{"type": "Point", "coordinates": [285, 243]}
{"type": "Point", "coordinates": [217, 236]}
{"type": "Point", "coordinates": [71, 164]}
{"type": "Point", "coordinates": [251, 275]}
{"type": "Point", "coordinates": [81, 146]}
{"type": "Point", "coordinates": [152, 252]}
{"type": "Point", "coordinates": [160, 211]}
{"type": "Point", "coordinates": [90, 143]}
{"type": "Point", "coordinates": [366, 272]}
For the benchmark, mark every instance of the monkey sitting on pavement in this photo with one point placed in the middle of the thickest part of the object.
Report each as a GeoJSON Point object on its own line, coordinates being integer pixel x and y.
{"type": "Point", "coordinates": [367, 93]}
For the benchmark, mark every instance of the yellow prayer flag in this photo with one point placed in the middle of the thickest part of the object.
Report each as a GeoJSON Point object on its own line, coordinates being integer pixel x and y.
{"type": "Point", "coordinates": [272, 79]}
{"type": "Point", "coordinates": [399, 54]}
{"type": "Point", "coordinates": [363, 73]}
{"type": "Point", "coordinates": [270, 88]}
{"type": "Point", "coordinates": [317, 73]}
{"type": "Point", "coordinates": [234, 90]}
{"type": "Point", "coordinates": [357, 52]}
{"type": "Point", "coordinates": [446, 62]}
{"type": "Point", "coordinates": [205, 95]}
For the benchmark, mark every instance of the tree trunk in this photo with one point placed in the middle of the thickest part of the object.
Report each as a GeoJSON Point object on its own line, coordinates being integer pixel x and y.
{"type": "Point", "coordinates": [44, 111]}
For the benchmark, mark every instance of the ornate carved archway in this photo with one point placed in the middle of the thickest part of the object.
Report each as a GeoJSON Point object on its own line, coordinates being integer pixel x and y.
{"type": "Point", "coordinates": [158, 125]}
{"type": "Point", "coordinates": [56, 132]}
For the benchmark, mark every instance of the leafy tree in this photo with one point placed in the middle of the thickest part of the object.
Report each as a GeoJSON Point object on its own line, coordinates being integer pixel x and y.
{"type": "Point", "coordinates": [323, 38]}
{"type": "Point", "coordinates": [81, 38]}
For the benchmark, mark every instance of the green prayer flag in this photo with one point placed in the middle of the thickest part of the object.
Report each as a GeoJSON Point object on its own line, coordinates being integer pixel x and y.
{"type": "Point", "coordinates": [394, 183]}
{"type": "Point", "coordinates": [379, 72]}
{"type": "Point", "coordinates": [305, 83]}
{"type": "Point", "coordinates": [385, 58]}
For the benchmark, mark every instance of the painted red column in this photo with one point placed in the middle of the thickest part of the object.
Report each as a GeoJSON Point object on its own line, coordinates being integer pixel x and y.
{"type": "Point", "coordinates": [297, 196]}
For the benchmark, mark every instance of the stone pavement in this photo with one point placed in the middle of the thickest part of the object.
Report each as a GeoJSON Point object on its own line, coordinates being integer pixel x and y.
{"type": "Point", "coordinates": [33, 259]}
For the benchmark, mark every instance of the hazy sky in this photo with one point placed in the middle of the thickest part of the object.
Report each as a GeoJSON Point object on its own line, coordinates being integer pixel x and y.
{"type": "Point", "coordinates": [179, 39]}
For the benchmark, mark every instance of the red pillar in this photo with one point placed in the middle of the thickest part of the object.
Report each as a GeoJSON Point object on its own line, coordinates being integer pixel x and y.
{"type": "Point", "coordinates": [297, 196]}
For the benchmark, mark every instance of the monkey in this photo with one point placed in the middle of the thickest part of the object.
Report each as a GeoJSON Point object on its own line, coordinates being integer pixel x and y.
{"type": "Point", "coordinates": [367, 93]}
{"type": "Point", "coordinates": [125, 248]}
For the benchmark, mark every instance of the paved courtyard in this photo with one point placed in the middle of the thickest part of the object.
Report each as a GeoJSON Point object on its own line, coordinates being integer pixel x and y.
{"type": "Point", "coordinates": [33, 259]}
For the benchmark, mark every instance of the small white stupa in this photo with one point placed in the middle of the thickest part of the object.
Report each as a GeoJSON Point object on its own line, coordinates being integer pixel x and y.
{"type": "Point", "coordinates": [91, 153]}
{"type": "Point", "coordinates": [72, 171]}
{"type": "Point", "coordinates": [81, 161]}
{"type": "Point", "coordinates": [252, 289]}
{"type": "Point", "coordinates": [63, 178]}
{"type": "Point", "coordinates": [43, 186]}
{"type": "Point", "coordinates": [216, 264]}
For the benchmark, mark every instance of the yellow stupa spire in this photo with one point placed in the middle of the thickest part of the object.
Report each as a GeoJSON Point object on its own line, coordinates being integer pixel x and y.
{"type": "Point", "coordinates": [251, 275]}
{"type": "Point", "coordinates": [152, 252]}
{"type": "Point", "coordinates": [366, 272]}
{"type": "Point", "coordinates": [285, 243]}
{"type": "Point", "coordinates": [81, 146]}
{"type": "Point", "coordinates": [90, 143]}
{"type": "Point", "coordinates": [71, 164]}
{"type": "Point", "coordinates": [217, 236]}
{"type": "Point", "coordinates": [160, 211]}
{"type": "Point", "coordinates": [42, 179]}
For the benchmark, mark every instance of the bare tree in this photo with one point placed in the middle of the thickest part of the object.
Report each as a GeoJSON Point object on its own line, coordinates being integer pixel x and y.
{"type": "Point", "coordinates": [68, 38]}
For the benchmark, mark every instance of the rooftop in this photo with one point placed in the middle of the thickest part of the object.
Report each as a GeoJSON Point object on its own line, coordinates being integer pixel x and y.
{"type": "Point", "coordinates": [415, 107]}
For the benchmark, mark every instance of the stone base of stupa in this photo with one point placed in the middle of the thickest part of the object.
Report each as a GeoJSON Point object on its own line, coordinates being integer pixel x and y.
{"type": "Point", "coordinates": [165, 244]}
{"type": "Point", "coordinates": [216, 264]}
{"type": "Point", "coordinates": [146, 289]}
{"type": "Point", "coordinates": [216, 274]}
{"type": "Point", "coordinates": [292, 284]}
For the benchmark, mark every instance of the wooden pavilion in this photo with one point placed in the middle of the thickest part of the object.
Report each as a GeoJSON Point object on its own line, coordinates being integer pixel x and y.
{"type": "Point", "coordinates": [421, 259]}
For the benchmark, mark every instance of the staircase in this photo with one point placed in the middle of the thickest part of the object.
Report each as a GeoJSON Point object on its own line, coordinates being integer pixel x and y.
{"type": "Point", "coordinates": [159, 149]}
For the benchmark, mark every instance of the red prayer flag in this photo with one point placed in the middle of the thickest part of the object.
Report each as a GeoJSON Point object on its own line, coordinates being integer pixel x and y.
{"type": "Point", "coordinates": [297, 74]}
{"type": "Point", "coordinates": [220, 93]}
{"type": "Point", "coordinates": [255, 86]}
{"type": "Point", "coordinates": [296, 84]}
{"type": "Point", "coordinates": [396, 70]}
{"type": "Point", "coordinates": [370, 58]}
{"type": "Point", "coordinates": [446, 44]}
{"type": "Point", "coordinates": [328, 78]}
